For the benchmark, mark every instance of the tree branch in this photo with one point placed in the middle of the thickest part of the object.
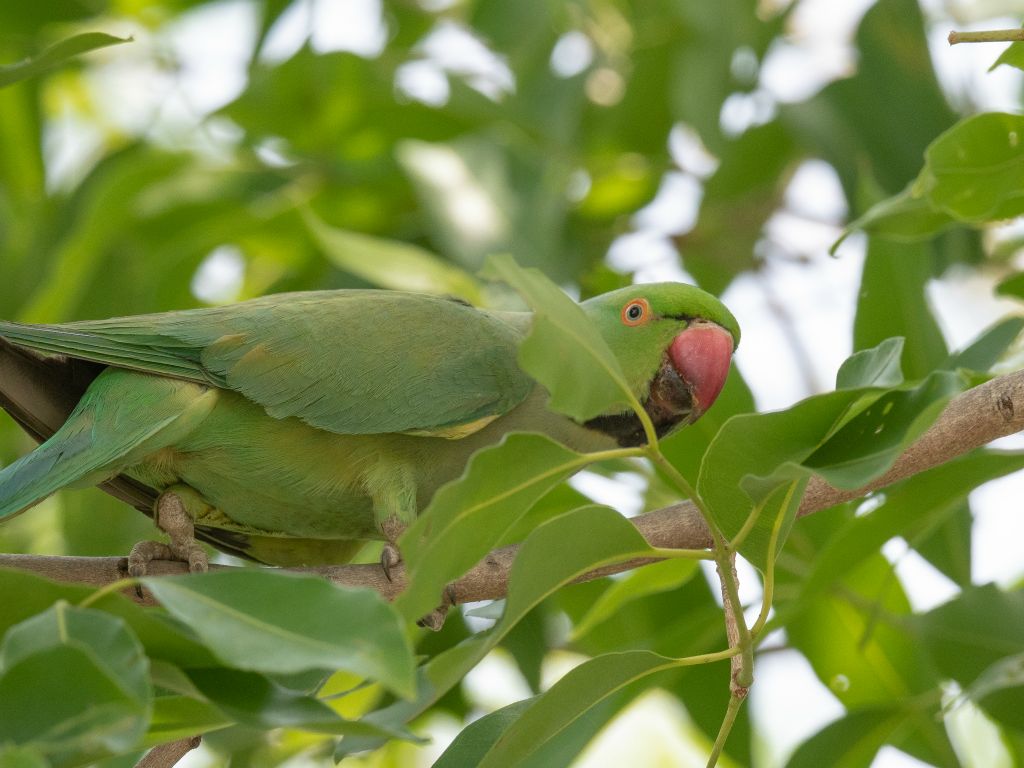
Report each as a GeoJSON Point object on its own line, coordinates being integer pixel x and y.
{"type": "Point", "coordinates": [982, 414]}
{"type": "Point", "coordinates": [168, 755]}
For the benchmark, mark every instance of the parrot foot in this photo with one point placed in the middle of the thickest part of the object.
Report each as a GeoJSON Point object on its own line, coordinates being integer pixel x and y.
{"type": "Point", "coordinates": [172, 518]}
{"type": "Point", "coordinates": [389, 558]}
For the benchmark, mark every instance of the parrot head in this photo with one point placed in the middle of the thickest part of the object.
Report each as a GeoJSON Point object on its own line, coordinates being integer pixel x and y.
{"type": "Point", "coordinates": [674, 343]}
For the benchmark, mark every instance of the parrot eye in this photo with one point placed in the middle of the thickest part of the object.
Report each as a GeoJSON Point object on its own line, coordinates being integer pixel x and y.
{"type": "Point", "coordinates": [636, 312]}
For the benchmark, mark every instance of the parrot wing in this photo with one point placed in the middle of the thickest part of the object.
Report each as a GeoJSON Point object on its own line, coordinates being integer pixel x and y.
{"type": "Point", "coordinates": [347, 361]}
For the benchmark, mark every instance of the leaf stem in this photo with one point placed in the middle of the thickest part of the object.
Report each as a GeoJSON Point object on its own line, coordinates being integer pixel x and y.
{"type": "Point", "coordinates": [614, 453]}
{"type": "Point", "coordinates": [645, 419]}
{"type": "Point", "coordinates": [748, 525]}
{"type": "Point", "coordinates": [685, 554]}
{"type": "Point", "coordinates": [703, 658]}
{"type": "Point", "coordinates": [99, 594]}
{"type": "Point", "coordinates": [61, 608]}
{"type": "Point", "coordinates": [987, 36]}
{"type": "Point", "coordinates": [723, 732]}
{"type": "Point", "coordinates": [676, 477]}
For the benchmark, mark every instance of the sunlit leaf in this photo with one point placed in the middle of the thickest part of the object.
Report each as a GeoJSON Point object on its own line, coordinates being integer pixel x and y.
{"type": "Point", "coordinates": [875, 367]}
{"type": "Point", "coordinates": [22, 757]}
{"type": "Point", "coordinates": [1013, 56]}
{"type": "Point", "coordinates": [973, 170]}
{"type": "Point", "coordinates": [563, 350]}
{"type": "Point", "coordinates": [905, 217]}
{"type": "Point", "coordinates": [391, 263]}
{"type": "Point", "coordinates": [57, 54]}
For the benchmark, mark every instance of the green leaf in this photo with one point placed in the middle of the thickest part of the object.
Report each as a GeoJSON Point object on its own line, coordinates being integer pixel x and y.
{"type": "Point", "coordinates": [904, 218]}
{"type": "Point", "coordinates": [848, 437]}
{"type": "Point", "coordinates": [543, 565]}
{"type": "Point", "coordinates": [107, 707]}
{"type": "Point", "coordinates": [758, 445]}
{"type": "Point", "coordinates": [474, 741]}
{"type": "Point", "coordinates": [910, 509]}
{"type": "Point", "coordinates": [862, 129]}
{"type": "Point", "coordinates": [392, 263]}
{"type": "Point", "coordinates": [569, 699]}
{"type": "Point", "coordinates": [1012, 286]}
{"type": "Point", "coordinates": [266, 621]}
{"type": "Point", "coordinates": [1013, 56]}
{"type": "Point", "coordinates": [181, 717]}
{"type": "Point", "coordinates": [21, 757]}
{"type": "Point", "coordinates": [56, 55]}
{"type": "Point", "coordinates": [117, 649]}
{"type": "Point", "coordinates": [1004, 681]}
{"type": "Point", "coordinates": [976, 640]}
{"type": "Point", "coordinates": [852, 741]}
{"type": "Point", "coordinates": [876, 367]}
{"type": "Point", "coordinates": [892, 302]}
{"type": "Point", "coordinates": [257, 701]}
{"type": "Point", "coordinates": [987, 349]}
{"type": "Point", "coordinates": [870, 441]}
{"type": "Point", "coordinates": [563, 350]}
{"type": "Point", "coordinates": [854, 635]}
{"type": "Point", "coordinates": [738, 199]}
{"type": "Point", "coordinates": [657, 577]}
{"type": "Point", "coordinates": [467, 517]}
{"type": "Point", "coordinates": [465, 193]}
{"type": "Point", "coordinates": [26, 594]}
{"type": "Point", "coordinates": [973, 170]}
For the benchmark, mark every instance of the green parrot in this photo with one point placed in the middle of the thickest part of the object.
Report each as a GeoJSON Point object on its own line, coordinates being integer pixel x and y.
{"type": "Point", "coordinates": [293, 428]}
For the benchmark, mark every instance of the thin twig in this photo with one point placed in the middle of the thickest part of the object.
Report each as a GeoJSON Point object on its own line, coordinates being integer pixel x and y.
{"type": "Point", "coordinates": [987, 36]}
{"type": "Point", "coordinates": [167, 755]}
{"type": "Point", "coordinates": [736, 630]}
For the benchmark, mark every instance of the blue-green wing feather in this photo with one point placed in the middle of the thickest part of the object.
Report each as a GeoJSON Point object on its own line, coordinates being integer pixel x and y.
{"type": "Point", "coordinates": [353, 362]}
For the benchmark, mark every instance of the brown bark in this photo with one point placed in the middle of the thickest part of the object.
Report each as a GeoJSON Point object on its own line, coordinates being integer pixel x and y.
{"type": "Point", "coordinates": [168, 755]}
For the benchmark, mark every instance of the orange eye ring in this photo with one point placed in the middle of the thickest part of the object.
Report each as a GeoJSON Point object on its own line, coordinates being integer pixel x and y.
{"type": "Point", "coordinates": [636, 312]}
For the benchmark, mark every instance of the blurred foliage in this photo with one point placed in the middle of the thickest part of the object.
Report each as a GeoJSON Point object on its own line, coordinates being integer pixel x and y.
{"type": "Point", "coordinates": [125, 188]}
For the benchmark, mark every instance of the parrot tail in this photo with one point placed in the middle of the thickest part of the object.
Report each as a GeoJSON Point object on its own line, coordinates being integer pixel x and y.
{"type": "Point", "coordinates": [122, 417]}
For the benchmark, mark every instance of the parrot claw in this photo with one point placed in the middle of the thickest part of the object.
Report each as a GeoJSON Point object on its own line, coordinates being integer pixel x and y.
{"type": "Point", "coordinates": [171, 517]}
{"type": "Point", "coordinates": [389, 558]}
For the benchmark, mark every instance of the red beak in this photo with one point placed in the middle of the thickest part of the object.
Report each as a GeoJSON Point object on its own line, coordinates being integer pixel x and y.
{"type": "Point", "coordinates": [701, 355]}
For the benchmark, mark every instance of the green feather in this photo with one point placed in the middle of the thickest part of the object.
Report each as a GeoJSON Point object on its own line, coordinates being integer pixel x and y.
{"type": "Point", "coordinates": [302, 422]}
